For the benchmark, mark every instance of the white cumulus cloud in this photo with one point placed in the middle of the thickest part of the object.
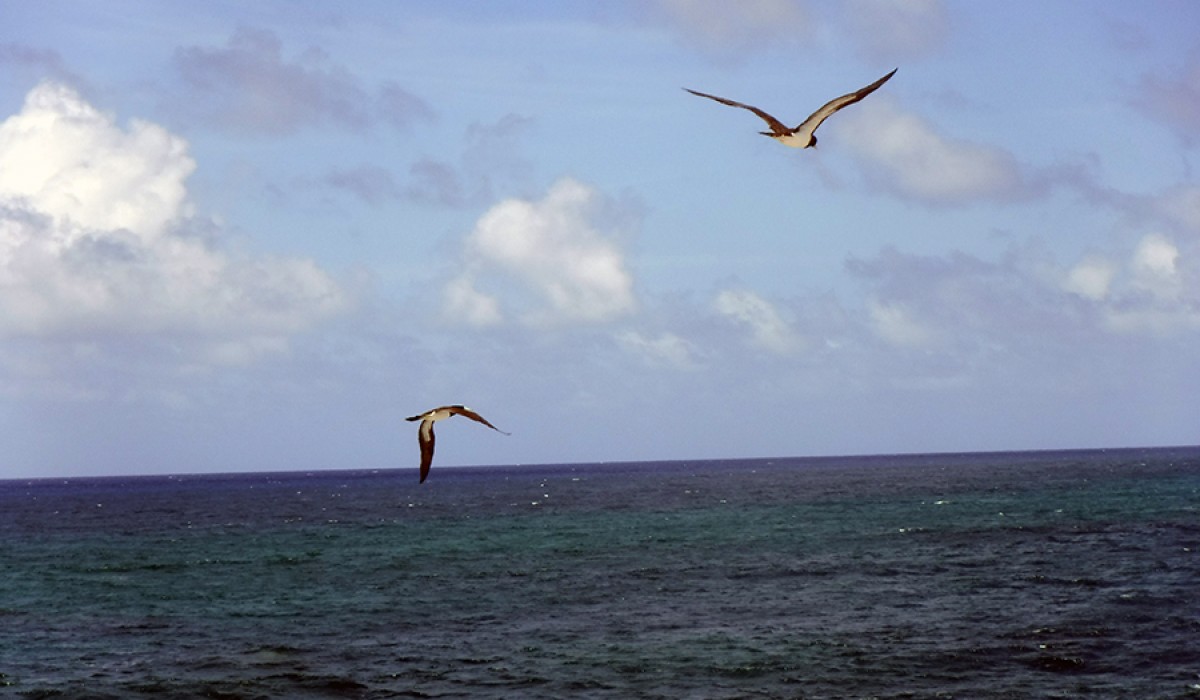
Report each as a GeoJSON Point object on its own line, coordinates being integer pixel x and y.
{"type": "Point", "coordinates": [62, 157]}
{"type": "Point", "coordinates": [558, 259]}
{"type": "Point", "coordinates": [93, 221]}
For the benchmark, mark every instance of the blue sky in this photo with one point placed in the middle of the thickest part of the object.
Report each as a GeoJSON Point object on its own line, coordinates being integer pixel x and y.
{"type": "Point", "coordinates": [256, 236]}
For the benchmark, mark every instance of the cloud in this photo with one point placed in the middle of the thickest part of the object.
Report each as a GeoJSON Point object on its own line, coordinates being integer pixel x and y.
{"type": "Point", "coordinates": [904, 154]}
{"type": "Point", "coordinates": [400, 108]}
{"type": "Point", "coordinates": [95, 241]}
{"type": "Point", "coordinates": [489, 156]}
{"type": "Point", "coordinates": [558, 260]}
{"type": "Point", "coordinates": [897, 29]}
{"type": "Point", "coordinates": [1157, 290]}
{"type": "Point", "coordinates": [896, 324]}
{"type": "Point", "coordinates": [1155, 267]}
{"type": "Point", "coordinates": [438, 182]}
{"type": "Point", "coordinates": [490, 153]}
{"type": "Point", "coordinates": [1179, 207]}
{"type": "Point", "coordinates": [1156, 281]}
{"type": "Point", "coordinates": [731, 29]}
{"type": "Point", "coordinates": [768, 327]}
{"type": "Point", "coordinates": [1026, 301]}
{"type": "Point", "coordinates": [1091, 278]}
{"type": "Point", "coordinates": [65, 159]}
{"type": "Point", "coordinates": [249, 86]}
{"type": "Point", "coordinates": [371, 183]}
{"type": "Point", "coordinates": [465, 303]}
{"type": "Point", "coordinates": [37, 62]}
{"type": "Point", "coordinates": [961, 306]}
{"type": "Point", "coordinates": [1173, 102]}
{"type": "Point", "coordinates": [665, 349]}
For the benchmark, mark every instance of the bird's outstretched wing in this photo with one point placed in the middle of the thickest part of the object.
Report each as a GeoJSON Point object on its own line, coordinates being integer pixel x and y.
{"type": "Point", "coordinates": [814, 120]}
{"type": "Point", "coordinates": [777, 127]}
{"type": "Point", "coordinates": [468, 413]}
{"type": "Point", "coordinates": [425, 438]}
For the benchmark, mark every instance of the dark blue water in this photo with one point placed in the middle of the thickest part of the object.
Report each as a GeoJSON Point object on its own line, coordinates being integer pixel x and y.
{"type": "Point", "coordinates": [1026, 575]}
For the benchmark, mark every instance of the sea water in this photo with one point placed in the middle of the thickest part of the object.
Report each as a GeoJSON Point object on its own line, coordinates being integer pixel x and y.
{"type": "Point", "coordinates": [1014, 575]}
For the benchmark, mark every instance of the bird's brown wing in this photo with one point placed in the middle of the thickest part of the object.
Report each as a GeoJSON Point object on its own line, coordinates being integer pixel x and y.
{"type": "Point", "coordinates": [777, 127]}
{"type": "Point", "coordinates": [468, 413]}
{"type": "Point", "coordinates": [425, 439]}
{"type": "Point", "coordinates": [810, 125]}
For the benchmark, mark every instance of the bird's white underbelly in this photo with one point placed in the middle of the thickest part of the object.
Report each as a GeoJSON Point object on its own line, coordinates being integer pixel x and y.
{"type": "Point", "coordinates": [794, 140]}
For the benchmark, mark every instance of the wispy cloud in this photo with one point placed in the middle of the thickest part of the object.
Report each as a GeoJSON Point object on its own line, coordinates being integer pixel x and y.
{"type": "Point", "coordinates": [1179, 207]}
{"type": "Point", "coordinates": [961, 305]}
{"type": "Point", "coordinates": [491, 153]}
{"type": "Point", "coordinates": [490, 158]}
{"type": "Point", "coordinates": [767, 325]}
{"type": "Point", "coordinates": [879, 29]}
{"type": "Point", "coordinates": [1173, 101]}
{"type": "Point", "coordinates": [896, 323]}
{"type": "Point", "coordinates": [727, 29]}
{"type": "Point", "coordinates": [38, 62]}
{"type": "Point", "coordinates": [250, 86]}
{"type": "Point", "coordinates": [664, 349]}
{"type": "Point", "coordinates": [897, 29]}
{"type": "Point", "coordinates": [1027, 301]}
{"type": "Point", "coordinates": [371, 183]}
{"type": "Point", "coordinates": [907, 155]}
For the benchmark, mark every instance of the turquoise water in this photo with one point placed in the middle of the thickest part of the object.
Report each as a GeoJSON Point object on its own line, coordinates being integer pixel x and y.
{"type": "Point", "coordinates": [1049, 575]}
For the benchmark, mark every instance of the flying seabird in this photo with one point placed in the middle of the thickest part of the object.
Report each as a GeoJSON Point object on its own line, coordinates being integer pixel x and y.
{"type": "Point", "coordinates": [802, 136]}
{"type": "Point", "coordinates": [425, 432]}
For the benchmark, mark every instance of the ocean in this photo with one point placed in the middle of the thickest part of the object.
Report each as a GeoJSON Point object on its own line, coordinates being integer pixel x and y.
{"type": "Point", "coordinates": [1002, 575]}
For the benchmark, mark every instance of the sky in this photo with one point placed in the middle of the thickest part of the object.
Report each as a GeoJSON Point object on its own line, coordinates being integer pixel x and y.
{"type": "Point", "coordinates": [257, 236]}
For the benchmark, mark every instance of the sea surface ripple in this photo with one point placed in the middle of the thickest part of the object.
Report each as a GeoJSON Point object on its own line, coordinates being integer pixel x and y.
{"type": "Point", "coordinates": [1003, 575]}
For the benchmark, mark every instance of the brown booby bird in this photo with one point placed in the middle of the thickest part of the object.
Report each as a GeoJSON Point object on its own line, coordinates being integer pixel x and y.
{"type": "Point", "coordinates": [425, 432]}
{"type": "Point", "coordinates": [802, 136]}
